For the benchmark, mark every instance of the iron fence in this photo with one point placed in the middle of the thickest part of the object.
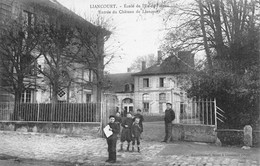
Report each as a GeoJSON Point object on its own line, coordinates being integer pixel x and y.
{"type": "Point", "coordinates": [200, 111]}
{"type": "Point", "coordinates": [47, 112]}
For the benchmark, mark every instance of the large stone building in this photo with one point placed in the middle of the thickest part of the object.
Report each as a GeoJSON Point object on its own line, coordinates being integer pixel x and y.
{"type": "Point", "coordinates": [122, 85]}
{"type": "Point", "coordinates": [29, 11]}
{"type": "Point", "coordinates": [151, 88]}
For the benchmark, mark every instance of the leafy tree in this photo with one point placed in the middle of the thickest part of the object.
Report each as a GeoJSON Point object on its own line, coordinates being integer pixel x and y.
{"type": "Point", "coordinates": [228, 31]}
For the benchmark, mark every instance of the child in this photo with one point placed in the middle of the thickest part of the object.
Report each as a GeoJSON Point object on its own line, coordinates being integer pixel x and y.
{"type": "Point", "coordinates": [126, 131]}
{"type": "Point", "coordinates": [136, 132]}
{"type": "Point", "coordinates": [111, 140]}
{"type": "Point", "coordinates": [118, 121]}
{"type": "Point", "coordinates": [140, 116]}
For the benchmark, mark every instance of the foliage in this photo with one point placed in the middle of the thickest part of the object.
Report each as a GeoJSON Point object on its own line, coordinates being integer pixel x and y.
{"type": "Point", "coordinates": [228, 31]}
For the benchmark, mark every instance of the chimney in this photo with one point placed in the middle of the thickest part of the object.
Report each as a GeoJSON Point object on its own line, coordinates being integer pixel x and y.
{"type": "Point", "coordinates": [159, 56]}
{"type": "Point", "coordinates": [128, 70]}
{"type": "Point", "coordinates": [143, 65]}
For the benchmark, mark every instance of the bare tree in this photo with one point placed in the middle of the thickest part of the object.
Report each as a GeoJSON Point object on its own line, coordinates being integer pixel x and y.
{"type": "Point", "coordinates": [216, 26]}
{"type": "Point", "coordinates": [95, 56]}
{"type": "Point", "coordinates": [205, 42]}
{"type": "Point", "coordinates": [150, 60]}
{"type": "Point", "coordinates": [18, 53]}
{"type": "Point", "coordinates": [57, 48]}
{"type": "Point", "coordinates": [228, 31]}
{"type": "Point", "coordinates": [93, 44]}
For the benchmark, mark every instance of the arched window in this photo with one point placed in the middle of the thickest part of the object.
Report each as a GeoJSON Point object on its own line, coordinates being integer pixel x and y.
{"type": "Point", "coordinates": [162, 102]}
{"type": "Point", "coordinates": [127, 101]}
{"type": "Point", "coordinates": [146, 97]}
{"type": "Point", "coordinates": [162, 97]}
{"type": "Point", "coordinates": [146, 104]}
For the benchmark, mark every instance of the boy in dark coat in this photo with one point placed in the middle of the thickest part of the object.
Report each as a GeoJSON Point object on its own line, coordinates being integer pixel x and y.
{"type": "Point", "coordinates": [136, 133]}
{"type": "Point", "coordinates": [140, 116]}
{"type": "Point", "coordinates": [111, 140]}
{"type": "Point", "coordinates": [126, 131]}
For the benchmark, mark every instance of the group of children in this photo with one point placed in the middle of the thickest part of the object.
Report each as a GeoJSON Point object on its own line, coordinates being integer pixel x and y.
{"type": "Point", "coordinates": [132, 127]}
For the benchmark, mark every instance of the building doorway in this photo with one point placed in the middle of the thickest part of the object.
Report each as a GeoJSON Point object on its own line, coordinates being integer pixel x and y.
{"type": "Point", "coordinates": [128, 106]}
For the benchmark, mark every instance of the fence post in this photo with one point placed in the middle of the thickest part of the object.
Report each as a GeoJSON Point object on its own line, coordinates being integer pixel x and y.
{"type": "Point", "coordinates": [38, 109]}
{"type": "Point", "coordinates": [102, 112]}
{"type": "Point", "coordinates": [215, 113]}
{"type": "Point", "coordinates": [248, 138]}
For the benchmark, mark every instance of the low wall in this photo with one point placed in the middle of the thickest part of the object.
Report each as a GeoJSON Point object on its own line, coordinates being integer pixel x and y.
{"type": "Point", "coordinates": [71, 129]}
{"type": "Point", "coordinates": [235, 137]}
{"type": "Point", "coordinates": [195, 133]}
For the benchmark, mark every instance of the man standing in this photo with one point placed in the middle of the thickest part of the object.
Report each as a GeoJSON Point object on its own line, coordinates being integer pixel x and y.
{"type": "Point", "coordinates": [169, 117]}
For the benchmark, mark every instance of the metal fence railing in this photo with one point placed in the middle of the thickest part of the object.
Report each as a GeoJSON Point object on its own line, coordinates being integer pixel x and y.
{"type": "Point", "coordinates": [200, 111]}
{"type": "Point", "coordinates": [60, 112]}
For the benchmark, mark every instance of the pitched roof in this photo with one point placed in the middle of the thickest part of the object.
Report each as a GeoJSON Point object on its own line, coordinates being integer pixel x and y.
{"type": "Point", "coordinates": [62, 14]}
{"type": "Point", "coordinates": [174, 64]}
{"type": "Point", "coordinates": [118, 81]}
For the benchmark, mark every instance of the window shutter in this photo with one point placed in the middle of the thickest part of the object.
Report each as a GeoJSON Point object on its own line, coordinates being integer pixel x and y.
{"type": "Point", "coordinates": [166, 82]}
{"type": "Point", "coordinates": [157, 82]}
{"type": "Point", "coordinates": [172, 83]}
{"type": "Point", "coordinates": [141, 82]}
{"type": "Point", "coordinates": [157, 97]}
{"type": "Point", "coordinates": [168, 97]}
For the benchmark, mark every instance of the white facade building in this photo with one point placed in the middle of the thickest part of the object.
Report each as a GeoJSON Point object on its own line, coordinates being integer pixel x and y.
{"type": "Point", "coordinates": [155, 86]}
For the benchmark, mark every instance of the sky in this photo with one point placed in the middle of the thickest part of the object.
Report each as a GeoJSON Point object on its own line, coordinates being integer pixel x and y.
{"type": "Point", "coordinates": [135, 34]}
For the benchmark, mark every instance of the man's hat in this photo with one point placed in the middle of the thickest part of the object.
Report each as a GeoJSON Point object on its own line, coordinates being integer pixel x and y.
{"type": "Point", "coordinates": [111, 116]}
{"type": "Point", "coordinates": [169, 103]}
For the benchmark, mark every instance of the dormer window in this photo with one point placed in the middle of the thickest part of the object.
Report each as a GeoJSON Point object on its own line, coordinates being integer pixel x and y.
{"type": "Point", "coordinates": [28, 18]}
{"type": "Point", "coordinates": [127, 88]}
{"type": "Point", "coordinates": [132, 87]}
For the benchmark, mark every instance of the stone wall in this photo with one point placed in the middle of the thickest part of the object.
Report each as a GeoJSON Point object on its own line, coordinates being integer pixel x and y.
{"type": "Point", "coordinates": [195, 133]}
{"type": "Point", "coordinates": [72, 129]}
{"type": "Point", "coordinates": [236, 137]}
{"type": "Point", "coordinates": [256, 138]}
{"type": "Point", "coordinates": [230, 136]}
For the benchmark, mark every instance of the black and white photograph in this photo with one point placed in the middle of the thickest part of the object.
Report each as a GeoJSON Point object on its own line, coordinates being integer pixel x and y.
{"type": "Point", "coordinates": [129, 83]}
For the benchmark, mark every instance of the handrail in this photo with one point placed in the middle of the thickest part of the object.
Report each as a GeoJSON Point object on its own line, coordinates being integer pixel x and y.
{"type": "Point", "coordinates": [220, 109]}
{"type": "Point", "coordinates": [220, 120]}
{"type": "Point", "coordinates": [221, 115]}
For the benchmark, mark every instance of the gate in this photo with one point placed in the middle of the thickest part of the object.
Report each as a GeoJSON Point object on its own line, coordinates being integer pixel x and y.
{"type": "Point", "coordinates": [201, 111]}
{"type": "Point", "coordinates": [196, 120]}
{"type": "Point", "coordinates": [198, 111]}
